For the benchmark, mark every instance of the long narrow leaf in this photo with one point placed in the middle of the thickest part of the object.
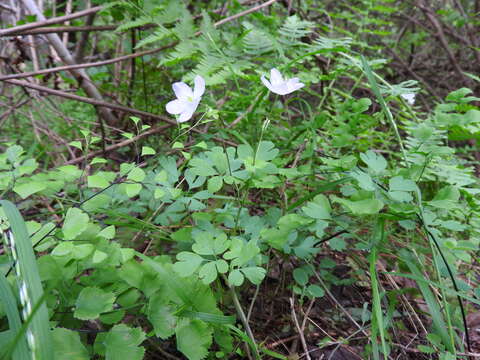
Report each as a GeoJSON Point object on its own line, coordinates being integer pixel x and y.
{"type": "Point", "coordinates": [29, 276]}
{"type": "Point", "coordinates": [378, 324]}
{"type": "Point", "coordinates": [9, 303]}
{"type": "Point", "coordinates": [434, 308]}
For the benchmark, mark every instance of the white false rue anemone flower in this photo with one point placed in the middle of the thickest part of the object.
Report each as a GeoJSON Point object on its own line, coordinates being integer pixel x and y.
{"type": "Point", "coordinates": [279, 85]}
{"type": "Point", "coordinates": [187, 99]}
{"type": "Point", "coordinates": [409, 98]}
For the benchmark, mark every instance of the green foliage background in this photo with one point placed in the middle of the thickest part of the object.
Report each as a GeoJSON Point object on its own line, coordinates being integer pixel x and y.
{"type": "Point", "coordinates": [158, 246]}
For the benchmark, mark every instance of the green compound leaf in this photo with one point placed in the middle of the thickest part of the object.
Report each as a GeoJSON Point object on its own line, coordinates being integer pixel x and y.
{"type": "Point", "coordinates": [91, 302]}
{"type": "Point", "coordinates": [188, 263]}
{"type": "Point", "coordinates": [240, 252]}
{"type": "Point", "coordinates": [68, 346]}
{"type": "Point", "coordinates": [376, 163]}
{"type": "Point", "coordinates": [399, 183]}
{"type": "Point", "coordinates": [206, 245]}
{"type": "Point", "coordinates": [76, 221]}
{"type": "Point", "coordinates": [254, 273]}
{"type": "Point", "coordinates": [319, 208]}
{"type": "Point", "coordinates": [208, 272]}
{"type": "Point", "coordinates": [235, 278]}
{"type": "Point", "coordinates": [400, 188]}
{"type": "Point", "coordinates": [194, 337]}
{"type": "Point", "coordinates": [122, 342]}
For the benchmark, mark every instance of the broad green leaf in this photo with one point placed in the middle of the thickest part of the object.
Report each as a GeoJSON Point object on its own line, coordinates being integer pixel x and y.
{"type": "Point", "coordinates": [188, 263]}
{"type": "Point", "coordinates": [300, 276]}
{"type": "Point", "coordinates": [108, 233]}
{"type": "Point", "coordinates": [214, 184]}
{"type": "Point", "coordinates": [364, 180]}
{"type": "Point", "coordinates": [27, 189]}
{"type": "Point", "coordinates": [361, 207]}
{"type": "Point", "coordinates": [161, 315]}
{"type": "Point", "coordinates": [76, 222]}
{"type": "Point", "coordinates": [399, 183]}
{"type": "Point", "coordinates": [122, 342]}
{"type": "Point", "coordinates": [205, 244]}
{"type": "Point", "coordinates": [315, 291]}
{"type": "Point", "coordinates": [222, 266]}
{"type": "Point", "coordinates": [68, 346]}
{"type": "Point", "coordinates": [98, 160]}
{"type": "Point", "coordinates": [194, 337]}
{"type": "Point", "coordinates": [235, 278]}
{"type": "Point", "coordinates": [91, 302]}
{"type": "Point", "coordinates": [136, 174]}
{"type": "Point", "coordinates": [208, 272]}
{"type": "Point", "coordinates": [99, 256]}
{"type": "Point", "coordinates": [132, 189]}
{"type": "Point", "coordinates": [146, 150]}
{"type": "Point", "coordinates": [97, 181]}
{"type": "Point", "coordinates": [254, 273]}
{"type": "Point", "coordinates": [319, 208]}
{"type": "Point", "coordinates": [376, 163]}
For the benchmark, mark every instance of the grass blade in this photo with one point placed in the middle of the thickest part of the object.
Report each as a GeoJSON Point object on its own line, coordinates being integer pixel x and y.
{"type": "Point", "coordinates": [9, 303]}
{"type": "Point", "coordinates": [28, 276]}
{"type": "Point", "coordinates": [378, 323]}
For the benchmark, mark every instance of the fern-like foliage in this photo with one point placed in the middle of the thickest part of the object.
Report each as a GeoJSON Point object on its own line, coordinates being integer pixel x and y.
{"type": "Point", "coordinates": [294, 29]}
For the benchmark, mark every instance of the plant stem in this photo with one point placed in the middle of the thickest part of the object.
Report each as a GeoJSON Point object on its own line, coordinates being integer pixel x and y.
{"type": "Point", "coordinates": [243, 318]}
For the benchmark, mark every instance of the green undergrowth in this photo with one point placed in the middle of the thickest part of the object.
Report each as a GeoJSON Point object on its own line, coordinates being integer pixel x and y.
{"type": "Point", "coordinates": [114, 260]}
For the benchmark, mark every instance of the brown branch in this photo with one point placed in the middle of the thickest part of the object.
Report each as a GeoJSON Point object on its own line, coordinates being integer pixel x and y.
{"type": "Point", "coordinates": [51, 21]}
{"type": "Point", "coordinates": [246, 12]}
{"type": "Point", "coordinates": [60, 29]}
{"type": "Point", "coordinates": [64, 29]}
{"type": "Point", "coordinates": [86, 65]}
{"type": "Point", "coordinates": [106, 105]}
{"type": "Point", "coordinates": [127, 57]}
{"type": "Point", "coordinates": [441, 38]}
{"type": "Point", "coordinates": [413, 73]}
{"type": "Point", "coordinates": [90, 101]}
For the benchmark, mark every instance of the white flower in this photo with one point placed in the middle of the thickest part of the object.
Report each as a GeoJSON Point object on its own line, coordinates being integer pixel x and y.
{"type": "Point", "coordinates": [280, 86]}
{"type": "Point", "coordinates": [409, 98]}
{"type": "Point", "coordinates": [187, 100]}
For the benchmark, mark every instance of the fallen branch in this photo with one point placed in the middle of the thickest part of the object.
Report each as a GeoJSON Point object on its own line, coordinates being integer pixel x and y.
{"type": "Point", "coordinates": [84, 66]}
{"type": "Point", "coordinates": [127, 57]}
{"type": "Point", "coordinates": [45, 22]}
{"type": "Point", "coordinates": [105, 104]}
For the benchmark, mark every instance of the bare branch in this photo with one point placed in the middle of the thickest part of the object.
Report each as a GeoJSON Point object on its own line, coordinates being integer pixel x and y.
{"type": "Point", "coordinates": [45, 22]}
{"type": "Point", "coordinates": [95, 102]}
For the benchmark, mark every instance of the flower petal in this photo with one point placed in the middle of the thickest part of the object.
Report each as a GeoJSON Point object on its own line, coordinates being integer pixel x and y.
{"type": "Point", "coordinates": [410, 98]}
{"type": "Point", "coordinates": [182, 90]}
{"type": "Point", "coordinates": [267, 83]}
{"type": "Point", "coordinates": [294, 85]}
{"type": "Point", "coordinates": [188, 111]}
{"type": "Point", "coordinates": [275, 77]}
{"type": "Point", "coordinates": [282, 89]}
{"type": "Point", "coordinates": [175, 106]}
{"type": "Point", "coordinates": [199, 88]}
